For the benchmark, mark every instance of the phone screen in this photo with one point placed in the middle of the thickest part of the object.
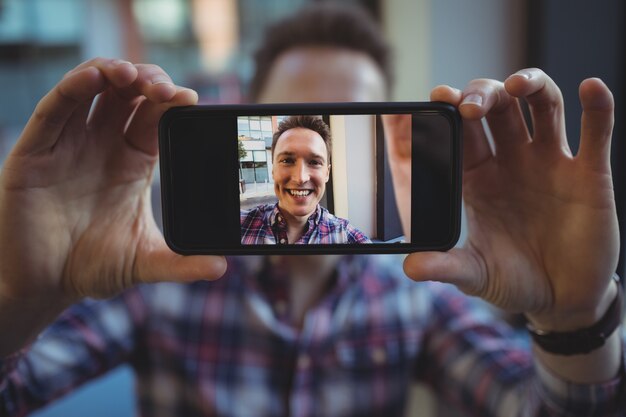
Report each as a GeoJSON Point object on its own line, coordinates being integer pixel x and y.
{"type": "Point", "coordinates": [333, 178]}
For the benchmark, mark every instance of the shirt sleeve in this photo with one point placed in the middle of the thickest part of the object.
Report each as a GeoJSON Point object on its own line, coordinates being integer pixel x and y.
{"type": "Point", "coordinates": [475, 361]}
{"type": "Point", "coordinates": [86, 341]}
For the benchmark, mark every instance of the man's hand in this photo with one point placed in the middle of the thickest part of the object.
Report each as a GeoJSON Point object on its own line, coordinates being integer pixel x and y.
{"type": "Point", "coordinates": [75, 215]}
{"type": "Point", "coordinates": [542, 225]}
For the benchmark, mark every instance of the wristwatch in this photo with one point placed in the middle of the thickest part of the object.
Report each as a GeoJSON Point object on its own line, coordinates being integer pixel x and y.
{"type": "Point", "coordinates": [586, 340]}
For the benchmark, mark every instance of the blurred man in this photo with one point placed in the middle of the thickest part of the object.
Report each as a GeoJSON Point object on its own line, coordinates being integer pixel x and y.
{"type": "Point", "coordinates": [300, 170]}
{"type": "Point", "coordinates": [332, 336]}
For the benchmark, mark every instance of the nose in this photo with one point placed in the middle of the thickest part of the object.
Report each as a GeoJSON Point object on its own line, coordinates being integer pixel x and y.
{"type": "Point", "coordinates": [300, 173]}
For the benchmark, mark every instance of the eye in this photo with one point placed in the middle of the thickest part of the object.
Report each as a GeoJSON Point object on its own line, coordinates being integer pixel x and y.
{"type": "Point", "coordinates": [316, 162]}
{"type": "Point", "coordinates": [286, 160]}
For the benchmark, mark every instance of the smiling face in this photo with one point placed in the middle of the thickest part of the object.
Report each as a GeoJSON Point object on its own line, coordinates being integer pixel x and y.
{"type": "Point", "coordinates": [301, 171]}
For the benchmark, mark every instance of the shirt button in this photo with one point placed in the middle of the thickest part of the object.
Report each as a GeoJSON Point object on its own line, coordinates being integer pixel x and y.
{"type": "Point", "coordinates": [283, 241]}
{"type": "Point", "coordinates": [379, 356]}
{"type": "Point", "coordinates": [280, 219]}
{"type": "Point", "coordinates": [304, 361]}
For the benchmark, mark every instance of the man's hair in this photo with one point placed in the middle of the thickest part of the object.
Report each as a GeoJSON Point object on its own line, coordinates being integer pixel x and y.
{"type": "Point", "coordinates": [321, 24]}
{"type": "Point", "coordinates": [313, 123]}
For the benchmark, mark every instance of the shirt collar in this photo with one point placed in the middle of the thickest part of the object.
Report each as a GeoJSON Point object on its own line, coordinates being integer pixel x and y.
{"type": "Point", "coordinates": [349, 270]}
{"type": "Point", "coordinates": [364, 271]}
{"type": "Point", "coordinates": [276, 217]}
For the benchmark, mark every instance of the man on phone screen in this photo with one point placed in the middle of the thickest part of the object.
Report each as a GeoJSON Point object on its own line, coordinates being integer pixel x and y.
{"type": "Point", "coordinates": [301, 150]}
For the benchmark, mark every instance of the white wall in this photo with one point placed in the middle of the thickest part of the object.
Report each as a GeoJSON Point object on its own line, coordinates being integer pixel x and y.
{"type": "Point", "coordinates": [452, 42]}
{"type": "Point", "coordinates": [476, 39]}
{"type": "Point", "coordinates": [354, 170]}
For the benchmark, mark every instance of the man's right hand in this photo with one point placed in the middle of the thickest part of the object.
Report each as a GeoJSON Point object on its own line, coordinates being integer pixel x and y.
{"type": "Point", "coordinates": [75, 214]}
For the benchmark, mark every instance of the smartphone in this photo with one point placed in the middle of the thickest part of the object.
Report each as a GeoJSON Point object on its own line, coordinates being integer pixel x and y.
{"type": "Point", "coordinates": [317, 178]}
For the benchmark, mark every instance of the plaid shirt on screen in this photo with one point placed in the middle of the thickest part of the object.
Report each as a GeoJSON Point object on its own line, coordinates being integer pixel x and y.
{"type": "Point", "coordinates": [227, 348]}
{"type": "Point", "coordinates": [265, 225]}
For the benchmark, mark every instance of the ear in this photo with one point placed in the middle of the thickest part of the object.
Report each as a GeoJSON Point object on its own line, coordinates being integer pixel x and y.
{"type": "Point", "coordinates": [327, 173]}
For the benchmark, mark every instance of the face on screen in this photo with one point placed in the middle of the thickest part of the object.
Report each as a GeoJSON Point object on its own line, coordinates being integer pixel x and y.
{"type": "Point", "coordinates": [354, 194]}
{"type": "Point", "coordinates": [300, 172]}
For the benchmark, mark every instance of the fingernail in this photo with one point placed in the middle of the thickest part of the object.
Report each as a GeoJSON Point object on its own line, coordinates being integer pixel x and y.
{"type": "Point", "coordinates": [117, 62]}
{"type": "Point", "coordinates": [475, 99]}
{"type": "Point", "coordinates": [523, 74]}
{"type": "Point", "coordinates": [161, 80]}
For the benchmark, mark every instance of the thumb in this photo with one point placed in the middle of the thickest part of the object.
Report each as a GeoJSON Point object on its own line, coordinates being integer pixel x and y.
{"type": "Point", "coordinates": [159, 263]}
{"type": "Point", "coordinates": [457, 266]}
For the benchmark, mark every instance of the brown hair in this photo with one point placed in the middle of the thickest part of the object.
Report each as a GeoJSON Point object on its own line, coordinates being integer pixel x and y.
{"type": "Point", "coordinates": [313, 123]}
{"type": "Point", "coordinates": [321, 24]}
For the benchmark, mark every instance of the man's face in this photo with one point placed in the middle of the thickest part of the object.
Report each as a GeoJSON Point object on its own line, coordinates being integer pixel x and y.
{"type": "Point", "coordinates": [300, 171]}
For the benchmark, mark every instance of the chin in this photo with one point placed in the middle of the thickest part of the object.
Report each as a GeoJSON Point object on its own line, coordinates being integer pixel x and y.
{"type": "Point", "coordinates": [304, 212]}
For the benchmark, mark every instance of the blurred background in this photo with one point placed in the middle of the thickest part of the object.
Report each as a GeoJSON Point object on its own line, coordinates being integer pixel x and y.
{"type": "Point", "coordinates": [208, 44]}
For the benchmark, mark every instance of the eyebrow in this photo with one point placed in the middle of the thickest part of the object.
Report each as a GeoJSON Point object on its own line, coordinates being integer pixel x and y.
{"type": "Point", "coordinates": [313, 154]}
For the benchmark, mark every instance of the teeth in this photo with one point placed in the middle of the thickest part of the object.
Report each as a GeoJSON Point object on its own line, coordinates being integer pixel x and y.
{"type": "Point", "coordinates": [300, 193]}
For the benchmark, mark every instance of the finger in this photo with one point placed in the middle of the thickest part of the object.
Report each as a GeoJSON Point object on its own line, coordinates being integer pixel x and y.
{"type": "Point", "coordinates": [115, 107]}
{"type": "Point", "coordinates": [142, 129]}
{"type": "Point", "coordinates": [457, 266]}
{"type": "Point", "coordinates": [476, 149]}
{"type": "Point", "coordinates": [398, 135]}
{"type": "Point", "coordinates": [152, 82]}
{"type": "Point", "coordinates": [69, 102]}
{"type": "Point", "coordinates": [446, 94]}
{"type": "Point", "coordinates": [596, 123]}
{"type": "Point", "coordinates": [118, 72]}
{"type": "Point", "coordinates": [116, 111]}
{"type": "Point", "coordinates": [161, 264]}
{"type": "Point", "coordinates": [55, 109]}
{"type": "Point", "coordinates": [489, 99]}
{"type": "Point", "coordinates": [545, 102]}
{"type": "Point", "coordinates": [111, 112]}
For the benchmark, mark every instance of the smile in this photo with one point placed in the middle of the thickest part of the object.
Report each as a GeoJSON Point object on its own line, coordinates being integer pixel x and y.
{"type": "Point", "coordinates": [300, 193]}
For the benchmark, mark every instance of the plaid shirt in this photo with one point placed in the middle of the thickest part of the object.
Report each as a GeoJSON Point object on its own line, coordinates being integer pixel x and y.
{"type": "Point", "coordinates": [265, 225]}
{"type": "Point", "coordinates": [224, 348]}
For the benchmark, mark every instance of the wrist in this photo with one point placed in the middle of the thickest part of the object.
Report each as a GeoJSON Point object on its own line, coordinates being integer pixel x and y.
{"type": "Point", "coordinates": [584, 338]}
{"type": "Point", "coordinates": [23, 318]}
{"type": "Point", "coordinates": [575, 320]}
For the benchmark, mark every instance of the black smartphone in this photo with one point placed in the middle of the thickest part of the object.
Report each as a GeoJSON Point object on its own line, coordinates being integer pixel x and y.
{"type": "Point", "coordinates": [311, 178]}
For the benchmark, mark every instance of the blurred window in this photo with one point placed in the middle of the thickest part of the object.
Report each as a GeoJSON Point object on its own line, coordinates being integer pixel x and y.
{"type": "Point", "coordinates": [163, 20]}
{"type": "Point", "coordinates": [255, 124]}
{"type": "Point", "coordinates": [266, 124]}
{"type": "Point", "coordinates": [260, 156]}
{"type": "Point", "coordinates": [41, 21]}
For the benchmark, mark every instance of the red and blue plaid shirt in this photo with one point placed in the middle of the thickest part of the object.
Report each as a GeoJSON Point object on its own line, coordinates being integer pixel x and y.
{"type": "Point", "coordinates": [223, 348]}
{"type": "Point", "coordinates": [265, 225]}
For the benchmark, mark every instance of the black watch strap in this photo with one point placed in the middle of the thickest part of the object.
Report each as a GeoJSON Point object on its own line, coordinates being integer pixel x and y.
{"type": "Point", "coordinates": [584, 340]}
